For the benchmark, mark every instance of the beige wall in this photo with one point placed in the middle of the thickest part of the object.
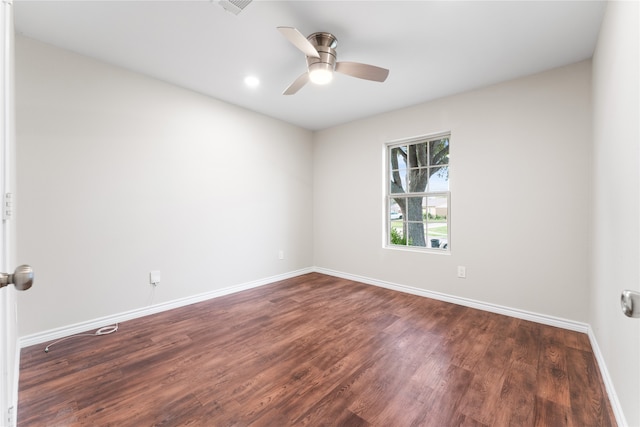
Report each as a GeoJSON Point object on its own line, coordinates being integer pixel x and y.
{"type": "Point", "coordinates": [120, 174]}
{"type": "Point", "coordinates": [616, 199]}
{"type": "Point", "coordinates": [517, 145]}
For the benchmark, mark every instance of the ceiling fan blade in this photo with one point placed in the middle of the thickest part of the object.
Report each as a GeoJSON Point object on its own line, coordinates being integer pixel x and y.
{"type": "Point", "coordinates": [362, 71]}
{"type": "Point", "coordinates": [298, 40]}
{"type": "Point", "coordinates": [297, 84]}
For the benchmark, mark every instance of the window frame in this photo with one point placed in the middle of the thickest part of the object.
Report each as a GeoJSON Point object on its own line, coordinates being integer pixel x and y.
{"type": "Point", "coordinates": [389, 197]}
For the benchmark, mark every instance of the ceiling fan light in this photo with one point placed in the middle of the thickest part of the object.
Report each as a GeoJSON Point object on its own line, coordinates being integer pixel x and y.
{"type": "Point", "coordinates": [320, 74]}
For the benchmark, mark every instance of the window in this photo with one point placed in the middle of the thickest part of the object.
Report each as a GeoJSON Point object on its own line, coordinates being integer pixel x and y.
{"type": "Point", "coordinates": [417, 194]}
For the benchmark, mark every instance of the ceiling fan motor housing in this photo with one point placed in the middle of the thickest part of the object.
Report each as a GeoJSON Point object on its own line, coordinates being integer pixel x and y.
{"type": "Point", "coordinates": [325, 44]}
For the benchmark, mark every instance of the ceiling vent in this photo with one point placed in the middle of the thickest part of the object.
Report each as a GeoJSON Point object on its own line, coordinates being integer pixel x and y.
{"type": "Point", "coordinates": [234, 6]}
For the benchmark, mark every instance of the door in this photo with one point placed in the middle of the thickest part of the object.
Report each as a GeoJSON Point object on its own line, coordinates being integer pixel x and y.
{"type": "Point", "coordinates": [8, 322]}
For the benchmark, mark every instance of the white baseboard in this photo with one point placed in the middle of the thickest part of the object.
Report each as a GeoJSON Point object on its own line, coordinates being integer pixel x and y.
{"type": "Point", "coordinates": [608, 383]}
{"type": "Point", "coordinates": [493, 308]}
{"type": "Point", "coordinates": [57, 333]}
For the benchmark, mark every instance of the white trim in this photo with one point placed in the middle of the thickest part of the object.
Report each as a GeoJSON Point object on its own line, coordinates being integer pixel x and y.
{"type": "Point", "coordinates": [13, 405]}
{"type": "Point", "coordinates": [467, 302]}
{"type": "Point", "coordinates": [388, 196]}
{"type": "Point", "coordinates": [9, 348]}
{"type": "Point", "coordinates": [418, 138]}
{"type": "Point", "coordinates": [53, 334]}
{"type": "Point", "coordinates": [608, 382]}
{"type": "Point", "coordinates": [57, 333]}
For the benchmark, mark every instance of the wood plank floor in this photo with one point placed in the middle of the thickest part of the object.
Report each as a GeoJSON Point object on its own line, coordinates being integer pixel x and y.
{"type": "Point", "coordinates": [316, 350]}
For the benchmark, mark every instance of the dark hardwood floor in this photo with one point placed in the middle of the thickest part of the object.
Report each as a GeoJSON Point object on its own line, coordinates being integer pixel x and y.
{"type": "Point", "coordinates": [316, 350]}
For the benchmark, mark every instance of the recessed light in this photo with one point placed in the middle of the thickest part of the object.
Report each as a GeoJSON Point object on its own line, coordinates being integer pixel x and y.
{"type": "Point", "coordinates": [252, 81]}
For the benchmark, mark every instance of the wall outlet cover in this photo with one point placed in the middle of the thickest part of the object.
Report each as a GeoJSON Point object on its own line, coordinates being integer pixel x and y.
{"type": "Point", "coordinates": [154, 277]}
{"type": "Point", "coordinates": [462, 272]}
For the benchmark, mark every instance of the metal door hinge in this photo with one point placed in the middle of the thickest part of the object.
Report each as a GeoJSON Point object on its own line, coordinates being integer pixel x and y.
{"type": "Point", "coordinates": [7, 206]}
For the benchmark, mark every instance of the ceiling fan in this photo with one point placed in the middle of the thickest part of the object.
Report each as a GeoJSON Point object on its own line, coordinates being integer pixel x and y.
{"type": "Point", "coordinates": [319, 49]}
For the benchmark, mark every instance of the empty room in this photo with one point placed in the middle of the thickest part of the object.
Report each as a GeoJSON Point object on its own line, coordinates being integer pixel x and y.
{"type": "Point", "coordinates": [320, 213]}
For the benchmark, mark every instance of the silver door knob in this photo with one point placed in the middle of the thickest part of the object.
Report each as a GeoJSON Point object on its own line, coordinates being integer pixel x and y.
{"type": "Point", "coordinates": [630, 303]}
{"type": "Point", "coordinates": [22, 278]}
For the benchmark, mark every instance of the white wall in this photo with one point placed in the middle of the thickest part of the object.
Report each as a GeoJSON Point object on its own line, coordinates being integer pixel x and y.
{"type": "Point", "coordinates": [616, 199]}
{"type": "Point", "coordinates": [120, 174]}
{"type": "Point", "coordinates": [520, 155]}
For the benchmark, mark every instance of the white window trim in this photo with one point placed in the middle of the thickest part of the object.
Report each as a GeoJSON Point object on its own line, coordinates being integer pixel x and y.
{"type": "Point", "coordinates": [386, 243]}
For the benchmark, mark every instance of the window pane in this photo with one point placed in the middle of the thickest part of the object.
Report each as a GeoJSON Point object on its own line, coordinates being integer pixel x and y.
{"type": "Point", "coordinates": [418, 155]}
{"type": "Point", "coordinates": [398, 170]}
{"type": "Point", "coordinates": [437, 235]}
{"type": "Point", "coordinates": [416, 225]}
{"type": "Point", "coordinates": [418, 179]}
{"type": "Point", "coordinates": [396, 224]}
{"type": "Point", "coordinates": [439, 178]}
{"type": "Point", "coordinates": [398, 183]}
{"type": "Point", "coordinates": [398, 158]}
{"type": "Point", "coordinates": [439, 152]}
{"type": "Point", "coordinates": [395, 211]}
{"type": "Point", "coordinates": [397, 233]}
{"type": "Point", "coordinates": [437, 228]}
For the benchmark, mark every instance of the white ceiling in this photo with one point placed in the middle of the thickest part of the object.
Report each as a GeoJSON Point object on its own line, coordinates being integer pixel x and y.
{"type": "Point", "coordinates": [432, 48]}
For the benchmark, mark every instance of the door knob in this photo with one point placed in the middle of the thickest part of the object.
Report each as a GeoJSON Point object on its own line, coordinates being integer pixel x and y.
{"type": "Point", "coordinates": [22, 278]}
{"type": "Point", "coordinates": [630, 302]}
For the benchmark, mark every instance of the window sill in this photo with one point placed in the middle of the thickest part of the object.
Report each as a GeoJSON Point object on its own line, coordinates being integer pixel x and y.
{"type": "Point", "coordinates": [418, 250]}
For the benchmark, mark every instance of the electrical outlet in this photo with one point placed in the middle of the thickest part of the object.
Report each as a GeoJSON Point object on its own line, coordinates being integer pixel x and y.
{"type": "Point", "coordinates": [462, 272]}
{"type": "Point", "coordinates": [280, 254]}
{"type": "Point", "coordinates": [154, 277]}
